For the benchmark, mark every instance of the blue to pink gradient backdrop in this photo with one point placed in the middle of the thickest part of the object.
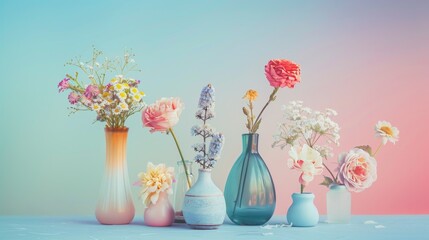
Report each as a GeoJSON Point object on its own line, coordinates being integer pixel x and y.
{"type": "Point", "coordinates": [366, 59]}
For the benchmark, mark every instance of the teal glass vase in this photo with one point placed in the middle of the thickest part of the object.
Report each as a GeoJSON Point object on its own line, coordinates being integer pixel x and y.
{"type": "Point", "coordinates": [250, 195]}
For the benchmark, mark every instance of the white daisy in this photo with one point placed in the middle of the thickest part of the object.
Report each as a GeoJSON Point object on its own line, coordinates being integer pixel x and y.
{"type": "Point", "coordinates": [96, 107]}
{"type": "Point", "coordinates": [386, 132]}
{"type": "Point", "coordinates": [116, 110]}
{"type": "Point", "coordinates": [123, 106]}
{"type": "Point", "coordinates": [122, 95]}
{"type": "Point", "coordinates": [119, 87]}
{"type": "Point", "coordinates": [134, 91]}
{"type": "Point", "coordinates": [137, 97]}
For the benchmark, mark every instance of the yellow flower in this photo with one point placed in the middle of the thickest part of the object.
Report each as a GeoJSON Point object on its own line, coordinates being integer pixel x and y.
{"type": "Point", "coordinates": [122, 95]}
{"type": "Point", "coordinates": [114, 80]}
{"type": "Point", "coordinates": [125, 85]}
{"type": "Point", "coordinates": [119, 87]}
{"type": "Point", "coordinates": [134, 91]}
{"type": "Point", "coordinates": [137, 97]}
{"type": "Point", "coordinates": [142, 93]}
{"type": "Point", "coordinates": [251, 95]}
{"type": "Point", "coordinates": [157, 179]}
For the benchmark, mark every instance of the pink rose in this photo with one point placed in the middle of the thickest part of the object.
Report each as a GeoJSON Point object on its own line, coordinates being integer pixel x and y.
{"type": "Point", "coordinates": [73, 98]}
{"type": "Point", "coordinates": [63, 85]}
{"type": "Point", "coordinates": [91, 91]}
{"type": "Point", "coordinates": [282, 73]}
{"type": "Point", "coordinates": [358, 170]}
{"type": "Point", "coordinates": [163, 114]}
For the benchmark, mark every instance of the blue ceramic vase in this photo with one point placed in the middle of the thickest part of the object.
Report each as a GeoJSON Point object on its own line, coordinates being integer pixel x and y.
{"type": "Point", "coordinates": [204, 204]}
{"type": "Point", "coordinates": [303, 212]}
{"type": "Point", "coordinates": [249, 191]}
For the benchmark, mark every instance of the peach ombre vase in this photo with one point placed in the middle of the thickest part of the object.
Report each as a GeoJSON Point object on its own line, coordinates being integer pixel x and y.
{"type": "Point", "coordinates": [115, 204]}
{"type": "Point", "coordinates": [160, 214]}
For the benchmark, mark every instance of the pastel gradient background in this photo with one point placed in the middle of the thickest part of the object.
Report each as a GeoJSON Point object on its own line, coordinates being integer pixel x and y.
{"type": "Point", "coordinates": [366, 59]}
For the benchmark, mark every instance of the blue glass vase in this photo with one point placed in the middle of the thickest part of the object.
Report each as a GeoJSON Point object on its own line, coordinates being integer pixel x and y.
{"type": "Point", "coordinates": [249, 191]}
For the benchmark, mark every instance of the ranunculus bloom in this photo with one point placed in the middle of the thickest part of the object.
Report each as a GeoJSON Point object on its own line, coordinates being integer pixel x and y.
{"type": "Point", "coordinates": [163, 114]}
{"type": "Point", "coordinates": [282, 73]}
{"type": "Point", "coordinates": [63, 85]}
{"type": "Point", "coordinates": [73, 98]}
{"type": "Point", "coordinates": [357, 170]}
{"type": "Point", "coordinates": [91, 91]}
{"type": "Point", "coordinates": [306, 160]}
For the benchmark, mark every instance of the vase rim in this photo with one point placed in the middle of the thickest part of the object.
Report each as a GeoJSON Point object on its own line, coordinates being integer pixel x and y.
{"type": "Point", "coordinates": [304, 194]}
{"type": "Point", "coordinates": [250, 134]}
{"type": "Point", "coordinates": [335, 185]}
{"type": "Point", "coordinates": [204, 169]}
{"type": "Point", "coordinates": [116, 129]}
{"type": "Point", "coordinates": [186, 161]}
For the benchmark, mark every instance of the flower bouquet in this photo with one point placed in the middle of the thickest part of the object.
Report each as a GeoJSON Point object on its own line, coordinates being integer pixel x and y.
{"type": "Point", "coordinates": [249, 191]}
{"type": "Point", "coordinates": [113, 101]}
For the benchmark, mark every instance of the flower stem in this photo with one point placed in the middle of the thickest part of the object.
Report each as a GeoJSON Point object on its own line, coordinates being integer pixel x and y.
{"type": "Point", "coordinates": [181, 156]}
{"type": "Point", "coordinates": [302, 188]}
{"type": "Point", "coordinates": [332, 175]}
{"type": "Point", "coordinates": [378, 148]}
{"type": "Point", "coordinates": [272, 98]}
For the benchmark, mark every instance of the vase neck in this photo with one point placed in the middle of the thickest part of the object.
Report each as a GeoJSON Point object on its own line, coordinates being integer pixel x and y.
{"type": "Point", "coordinates": [116, 146]}
{"type": "Point", "coordinates": [204, 175]}
{"type": "Point", "coordinates": [250, 142]}
{"type": "Point", "coordinates": [188, 166]}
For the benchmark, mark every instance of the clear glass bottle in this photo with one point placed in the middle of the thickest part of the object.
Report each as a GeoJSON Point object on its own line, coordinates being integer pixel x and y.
{"type": "Point", "coordinates": [338, 201]}
{"type": "Point", "coordinates": [250, 195]}
{"type": "Point", "coordinates": [180, 189]}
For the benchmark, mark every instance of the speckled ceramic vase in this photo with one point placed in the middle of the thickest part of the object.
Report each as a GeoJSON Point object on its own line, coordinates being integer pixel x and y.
{"type": "Point", "coordinates": [204, 204]}
{"type": "Point", "coordinates": [303, 212]}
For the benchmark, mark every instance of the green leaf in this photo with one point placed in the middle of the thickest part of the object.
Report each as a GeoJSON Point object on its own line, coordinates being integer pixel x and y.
{"type": "Point", "coordinates": [366, 148]}
{"type": "Point", "coordinates": [327, 181]}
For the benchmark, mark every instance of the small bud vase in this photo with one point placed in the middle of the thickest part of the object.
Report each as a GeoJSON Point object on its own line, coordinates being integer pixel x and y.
{"type": "Point", "coordinates": [338, 204]}
{"type": "Point", "coordinates": [302, 212]}
{"type": "Point", "coordinates": [180, 189]}
{"type": "Point", "coordinates": [160, 214]}
{"type": "Point", "coordinates": [115, 204]}
{"type": "Point", "coordinates": [204, 204]}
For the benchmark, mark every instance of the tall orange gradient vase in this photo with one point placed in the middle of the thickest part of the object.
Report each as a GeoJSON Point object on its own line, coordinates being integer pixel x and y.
{"type": "Point", "coordinates": [115, 204]}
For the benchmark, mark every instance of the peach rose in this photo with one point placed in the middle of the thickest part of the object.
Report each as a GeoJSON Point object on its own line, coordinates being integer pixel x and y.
{"type": "Point", "coordinates": [163, 114]}
{"type": "Point", "coordinates": [358, 170]}
{"type": "Point", "coordinates": [282, 73]}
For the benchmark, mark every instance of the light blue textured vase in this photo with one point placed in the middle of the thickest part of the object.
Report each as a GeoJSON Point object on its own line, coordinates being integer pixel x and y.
{"type": "Point", "coordinates": [204, 204]}
{"type": "Point", "coordinates": [303, 212]}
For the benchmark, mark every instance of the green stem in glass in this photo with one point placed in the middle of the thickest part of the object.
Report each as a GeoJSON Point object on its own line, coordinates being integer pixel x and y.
{"type": "Point", "coordinates": [181, 156]}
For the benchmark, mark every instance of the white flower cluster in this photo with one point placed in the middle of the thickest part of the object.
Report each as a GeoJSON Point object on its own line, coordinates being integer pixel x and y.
{"type": "Point", "coordinates": [305, 126]}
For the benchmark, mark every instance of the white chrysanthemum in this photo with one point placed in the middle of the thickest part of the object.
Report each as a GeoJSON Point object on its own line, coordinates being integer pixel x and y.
{"type": "Point", "coordinates": [96, 107]}
{"type": "Point", "coordinates": [119, 87]}
{"type": "Point", "coordinates": [134, 91]}
{"type": "Point", "coordinates": [117, 110]}
{"type": "Point", "coordinates": [155, 180]}
{"type": "Point", "coordinates": [123, 106]}
{"type": "Point", "coordinates": [122, 95]}
{"type": "Point", "coordinates": [386, 132]}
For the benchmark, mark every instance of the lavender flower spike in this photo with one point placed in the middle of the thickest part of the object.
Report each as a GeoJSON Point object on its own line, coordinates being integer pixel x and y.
{"type": "Point", "coordinates": [216, 145]}
{"type": "Point", "coordinates": [207, 97]}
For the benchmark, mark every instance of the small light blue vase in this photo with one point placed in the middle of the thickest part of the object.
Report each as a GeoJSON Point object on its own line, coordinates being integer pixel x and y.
{"type": "Point", "coordinates": [303, 212]}
{"type": "Point", "coordinates": [204, 204]}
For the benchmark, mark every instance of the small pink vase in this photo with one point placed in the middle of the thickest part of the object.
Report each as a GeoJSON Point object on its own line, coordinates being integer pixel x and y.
{"type": "Point", "coordinates": [160, 214]}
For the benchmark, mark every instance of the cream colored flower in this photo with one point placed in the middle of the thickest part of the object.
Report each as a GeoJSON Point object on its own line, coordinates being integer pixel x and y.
{"type": "Point", "coordinates": [134, 91]}
{"type": "Point", "coordinates": [119, 87]}
{"type": "Point", "coordinates": [117, 110]}
{"type": "Point", "coordinates": [155, 180]}
{"type": "Point", "coordinates": [307, 161]}
{"type": "Point", "coordinates": [123, 106]}
{"type": "Point", "coordinates": [122, 95]}
{"type": "Point", "coordinates": [386, 132]}
{"type": "Point", "coordinates": [96, 107]}
{"type": "Point", "coordinates": [137, 97]}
